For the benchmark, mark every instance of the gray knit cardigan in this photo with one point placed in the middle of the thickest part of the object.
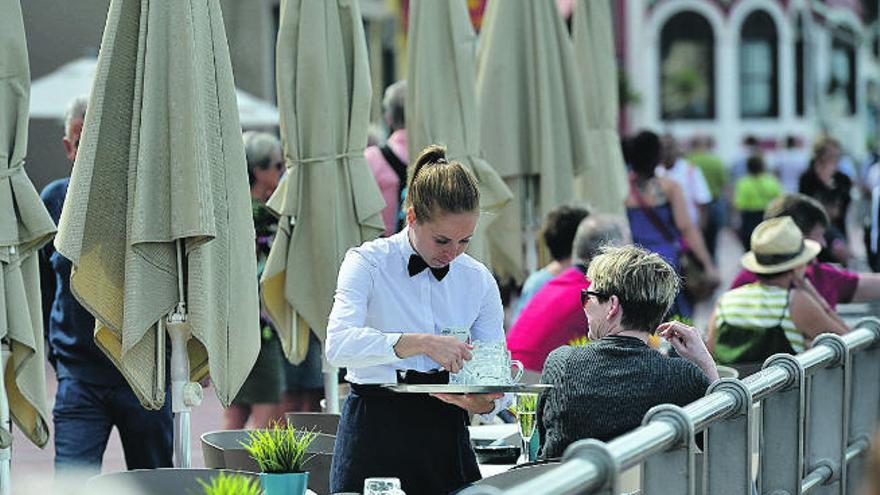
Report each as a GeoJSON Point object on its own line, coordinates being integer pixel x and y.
{"type": "Point", "coordinates": [604, 389]}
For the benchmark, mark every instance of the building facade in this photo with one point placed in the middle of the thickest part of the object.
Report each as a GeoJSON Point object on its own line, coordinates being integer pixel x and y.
{"type": "Point", "coordinates": [765, 68]}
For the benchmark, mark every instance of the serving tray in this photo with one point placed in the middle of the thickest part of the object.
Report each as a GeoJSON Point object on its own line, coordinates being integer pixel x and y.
{"type": "Point", "coordinates": [407, 388]}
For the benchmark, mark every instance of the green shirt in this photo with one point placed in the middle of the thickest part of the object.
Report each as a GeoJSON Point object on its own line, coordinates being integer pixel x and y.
{"type": "Point", "coordinates": [713, 170]}
{"type": "Point", "coordinates": [754, 193]}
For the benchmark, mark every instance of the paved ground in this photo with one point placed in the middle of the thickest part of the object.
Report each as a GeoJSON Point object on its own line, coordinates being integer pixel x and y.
{"type": "Point", "coordinates": [32, 468]}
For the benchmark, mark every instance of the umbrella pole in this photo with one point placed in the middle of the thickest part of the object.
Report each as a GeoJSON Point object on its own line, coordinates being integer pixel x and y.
{"type": "Point", "coordinates": [184, 394]}
{"type": "Point", "coordinates": [5, 428]}
{"type": "Point", "coordinates": [331, 390]}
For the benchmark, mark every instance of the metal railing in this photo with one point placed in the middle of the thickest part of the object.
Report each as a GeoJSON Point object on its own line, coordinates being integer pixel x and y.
{"type": "Point", "coordinates": [818, 411]}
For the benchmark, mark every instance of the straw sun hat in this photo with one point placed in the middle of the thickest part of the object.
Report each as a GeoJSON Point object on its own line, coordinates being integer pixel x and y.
{"type": "Point", "coordinates": [778, 246]}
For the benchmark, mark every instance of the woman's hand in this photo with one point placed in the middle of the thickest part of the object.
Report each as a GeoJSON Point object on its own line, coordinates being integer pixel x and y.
{"type": "Point", "coordinates": [688, 343]}
{"type": "Point", "coordinates": [449, 352]}
{"type": "Point", "coordinates": [475, 403]}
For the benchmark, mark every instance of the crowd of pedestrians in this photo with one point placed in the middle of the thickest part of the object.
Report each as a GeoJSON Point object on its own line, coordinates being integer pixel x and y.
{"type": "Point", "coordinates": [594, 329]}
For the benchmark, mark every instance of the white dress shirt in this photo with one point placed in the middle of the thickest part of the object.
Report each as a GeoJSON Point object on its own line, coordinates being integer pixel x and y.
{"type": "Point", "coordinates": [377, 302]}
{"type": "Point", "coordinates": [693, 184]}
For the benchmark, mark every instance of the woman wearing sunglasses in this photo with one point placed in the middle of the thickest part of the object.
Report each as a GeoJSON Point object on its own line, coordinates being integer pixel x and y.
{"type": "Point", "coordinates": [604, 389]}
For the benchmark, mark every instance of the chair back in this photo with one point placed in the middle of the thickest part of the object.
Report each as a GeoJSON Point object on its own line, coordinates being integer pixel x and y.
{"type": "Point", "coordinates": [155, 481]}
{"type": "Point", "coordinates": [224, 449]}
{"type": "Point", "coordinates": [320, 422]}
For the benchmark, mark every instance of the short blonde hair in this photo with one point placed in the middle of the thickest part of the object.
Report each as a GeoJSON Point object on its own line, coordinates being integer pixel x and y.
{"type": "Point", "coordinates": [643, 281]}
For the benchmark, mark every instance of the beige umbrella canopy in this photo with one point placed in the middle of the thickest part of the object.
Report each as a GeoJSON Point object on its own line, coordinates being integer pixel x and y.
{"type": "Point", "coordinates": [328, 201]}
{"type": "Point", "coordinates": [25, 226]}
{"type": "Point", "coordinates": [161, 161]}
{"type": "Point", "coordinates": [441, 106]}
{"type": "Point", "coordinates": [593, 38]}
{"type": "Point", "coordinates": [533, 128]}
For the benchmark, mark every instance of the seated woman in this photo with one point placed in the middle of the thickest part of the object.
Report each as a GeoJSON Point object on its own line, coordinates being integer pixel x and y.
{"type": "Point", "coordinates": [834, 285]}
{"type": "Point", "coordinates": [604, 389]}
{"type": "Point", "coordinates": [781, 311]}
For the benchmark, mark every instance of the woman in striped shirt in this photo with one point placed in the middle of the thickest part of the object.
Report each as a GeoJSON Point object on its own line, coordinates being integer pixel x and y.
{"type": "Point", "coordinates": [781, 312]}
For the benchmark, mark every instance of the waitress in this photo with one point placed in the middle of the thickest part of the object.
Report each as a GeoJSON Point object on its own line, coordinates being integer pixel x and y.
{"type": "Point", "coordinates": [393, 297]}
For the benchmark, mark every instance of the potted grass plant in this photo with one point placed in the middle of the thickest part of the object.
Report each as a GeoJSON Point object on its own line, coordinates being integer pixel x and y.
{"type": "Point", "coordinates": [281, 453]}
{"type": "Point", "coordinates": [231, 484]}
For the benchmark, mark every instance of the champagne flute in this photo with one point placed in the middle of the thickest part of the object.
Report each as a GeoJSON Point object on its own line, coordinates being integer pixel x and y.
{"type": "Point", "coordinates": [526, 411]}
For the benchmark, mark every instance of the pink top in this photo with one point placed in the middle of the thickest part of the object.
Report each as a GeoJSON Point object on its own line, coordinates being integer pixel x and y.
{"type": "Point", "coordinates": [388, 181]}
{"type": "Point", "coordinates": [552, 318]}
{"type": "Point", "coordinates": [834, 284]}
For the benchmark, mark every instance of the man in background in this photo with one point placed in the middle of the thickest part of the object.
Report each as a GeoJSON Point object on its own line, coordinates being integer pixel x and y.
{"type": "Point", "coordinates": [696, 191]}
{"type": "Point", "coordinates": [715, 173]}
{"type": "Point", "coordinates": [92, 395]}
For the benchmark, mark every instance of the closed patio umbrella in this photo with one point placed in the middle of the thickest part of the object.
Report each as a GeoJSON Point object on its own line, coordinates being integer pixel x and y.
{"type": "Point", "coordinates": [593, 38]}
{"type": "Point", "coordinates": [442, 108]}
{"type": "Point", "coordinates": [157, 220]}
{"type": "Point", "coordinates": [25, 226]}
{"type": "Point", "coordinates": [533, 129]}
{"type": "Point", "coordinates": [328, 201]}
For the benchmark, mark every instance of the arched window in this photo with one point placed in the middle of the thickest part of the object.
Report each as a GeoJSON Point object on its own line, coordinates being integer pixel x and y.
{"type": "Point", "coordinates": [842, 83]}
{"type": "Point", "coordinates": [758, 67]}
{"type": "Point", "coordinates": [687, 68]}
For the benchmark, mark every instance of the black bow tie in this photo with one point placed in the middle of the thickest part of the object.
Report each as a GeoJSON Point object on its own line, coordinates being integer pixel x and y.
{"type": "Point", "coordinates": [417, 265]}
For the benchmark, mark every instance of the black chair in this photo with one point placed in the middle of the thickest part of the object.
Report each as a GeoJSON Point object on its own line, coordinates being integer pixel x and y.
{"type": "Point", "coordinates": [320, 422]}
{"type": "Point", "coordinates": [156, 481]}
{"type": "Point", "coordinates": [224, 450]}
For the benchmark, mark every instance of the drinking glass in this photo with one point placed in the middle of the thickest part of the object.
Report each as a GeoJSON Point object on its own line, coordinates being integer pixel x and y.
{"type": "Point", "coordinates": [526, 411]}
{"type": "Point", "coordinates": [491, 364]}
{"type": "Point", "coordinates": [382, 486]}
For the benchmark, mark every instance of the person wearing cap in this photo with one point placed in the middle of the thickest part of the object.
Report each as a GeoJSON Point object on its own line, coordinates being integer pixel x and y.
{"type": "Point", "coordinates": [777, 313]}
{"type": "Point", "coordinates": [835, 285]}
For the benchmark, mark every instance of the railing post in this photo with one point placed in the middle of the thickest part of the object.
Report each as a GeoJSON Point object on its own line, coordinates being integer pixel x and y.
{"type": "Point", "coordinates": [864, 401]}
{"type": "Point", "coordinates": [782, 436]}
{"type": "Point", "coordinates": [828, 417]}
{"type": "Point", "coordinates": [728, 443]}
{"type": "Point", "coordinates": [671, 471]}
{"type": "Point", "coordinates": [597, 452]}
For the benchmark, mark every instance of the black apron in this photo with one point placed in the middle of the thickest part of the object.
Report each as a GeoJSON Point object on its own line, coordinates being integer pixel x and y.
{"type": "Point", "coordinates": [415, 437]}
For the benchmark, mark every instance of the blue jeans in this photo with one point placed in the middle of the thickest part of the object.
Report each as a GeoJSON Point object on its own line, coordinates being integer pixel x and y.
{"type": "Point", "coordinates": [84, 414]}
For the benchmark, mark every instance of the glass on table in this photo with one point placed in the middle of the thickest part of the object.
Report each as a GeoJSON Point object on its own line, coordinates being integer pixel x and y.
{"type": "Point", "coordinates": [526, 412]}
{"type": "Point", "coordinates": [382, 486]}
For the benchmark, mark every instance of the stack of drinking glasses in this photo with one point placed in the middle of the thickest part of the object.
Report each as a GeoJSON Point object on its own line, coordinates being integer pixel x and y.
{"type": "Point", "coordinates": [491, 365]}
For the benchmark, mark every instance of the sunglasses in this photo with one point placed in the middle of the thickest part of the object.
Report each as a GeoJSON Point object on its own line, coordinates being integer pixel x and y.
{"type": "Point", "coordinates": [585, 295]}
